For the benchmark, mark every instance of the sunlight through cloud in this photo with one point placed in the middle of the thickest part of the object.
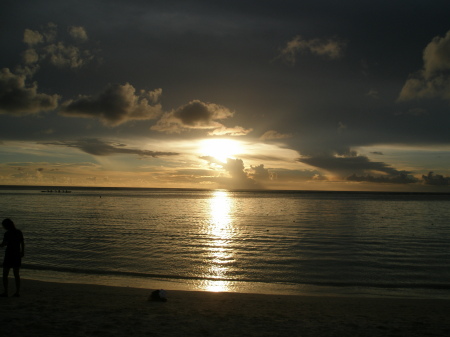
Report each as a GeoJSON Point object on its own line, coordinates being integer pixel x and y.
{"type": "Point", "coordinates": [220, 149]}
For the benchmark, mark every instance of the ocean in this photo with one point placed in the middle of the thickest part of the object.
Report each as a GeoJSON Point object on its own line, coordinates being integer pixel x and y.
{"type": "Point", "coordinates": [276, 242]}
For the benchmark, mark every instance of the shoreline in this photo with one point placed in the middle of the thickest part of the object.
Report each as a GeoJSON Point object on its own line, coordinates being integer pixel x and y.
{"type": "Point", "coordinates": [57, 309]}
{"type": "Point", "coordinates": [238, 286]}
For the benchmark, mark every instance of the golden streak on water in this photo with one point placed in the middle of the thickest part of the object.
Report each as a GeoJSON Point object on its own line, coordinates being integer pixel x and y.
{"type": "Point", "coordinates": [220, 230]}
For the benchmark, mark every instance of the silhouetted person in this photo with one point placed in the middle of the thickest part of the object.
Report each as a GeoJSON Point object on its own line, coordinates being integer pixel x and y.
{"type": "Point", "coordinates": [15, 250]}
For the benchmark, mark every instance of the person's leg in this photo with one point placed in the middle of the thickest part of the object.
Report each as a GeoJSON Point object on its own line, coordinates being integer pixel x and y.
{"type": "Point", "coordinates": [17, 279]}
{"type": "Point", "coordinates": [5, 281]}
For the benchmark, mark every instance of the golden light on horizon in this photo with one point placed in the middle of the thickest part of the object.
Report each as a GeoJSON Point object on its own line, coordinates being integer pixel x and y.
{"type": "Point", "coordinates": [220, 149]}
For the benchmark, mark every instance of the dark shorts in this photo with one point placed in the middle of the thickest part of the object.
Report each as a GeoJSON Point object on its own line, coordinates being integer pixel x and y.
{"type": "Point", "coordinates": [12, 261]}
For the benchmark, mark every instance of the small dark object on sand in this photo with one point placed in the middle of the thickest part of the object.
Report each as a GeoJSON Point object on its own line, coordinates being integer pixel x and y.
{"type": "Point", "coordinates": [158, 295]}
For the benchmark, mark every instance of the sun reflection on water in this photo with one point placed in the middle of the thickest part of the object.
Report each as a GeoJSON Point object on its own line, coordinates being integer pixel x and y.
{"type": "Point", "coordinates": [220, 231]}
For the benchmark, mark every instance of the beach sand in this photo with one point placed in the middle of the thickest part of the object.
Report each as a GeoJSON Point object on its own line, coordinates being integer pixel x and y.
{"type": "Point", "coordinates": [61, 309]}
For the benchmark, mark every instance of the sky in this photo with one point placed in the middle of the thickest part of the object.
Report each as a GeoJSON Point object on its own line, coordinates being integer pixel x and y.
{"type": "Point", "coordinates": [298, 95]}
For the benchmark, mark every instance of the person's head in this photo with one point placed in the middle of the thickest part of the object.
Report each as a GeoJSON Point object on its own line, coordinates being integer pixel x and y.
{"type": "Point", "coordinates": [8, 224]}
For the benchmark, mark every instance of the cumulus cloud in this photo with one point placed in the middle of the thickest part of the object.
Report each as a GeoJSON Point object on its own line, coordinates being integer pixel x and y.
{"type": "Point", "coordinates": [116, 105]}
{"type": "Point", "coordinates": [260, 173]}
{"type": "Point", "coordinates": [329, 48]}
{"type": "Point", "coordinates": [98, 147]}
{"type": "Point", "coordinates": [62, 55]}
{"type": "Point", "coordinates": [16, 98]}
{"type": "Point", "coordinates": [272, 134]}
{"type": "Point", "coordinates": [433, 80]}
{"type": "Point", "coordinates": [43, 45]}
{"type": "Point", "coordinates": [32, 37]}
{"type": "Point", "coordinates": [436, 179]}
{"type": "Point", "coordinates": [198, 115]}
{"type": "Point", "coordinates": [238, 178]}
{"type": "Point", "coordinates": [78, 33]}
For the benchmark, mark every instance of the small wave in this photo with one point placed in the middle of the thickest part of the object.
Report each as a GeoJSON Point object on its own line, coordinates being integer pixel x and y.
{"type": "Point", "coordinates": [340, 284]}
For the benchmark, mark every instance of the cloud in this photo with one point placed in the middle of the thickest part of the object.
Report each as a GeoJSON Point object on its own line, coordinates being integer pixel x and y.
{"type": "Point", "coordinates": [351, 166]}
{"type": "Point", "coordinates": [433, 80]}
{"type": "Point", "coordinates": [198, 115]}
{"type": "Point", "coordinates": [17, 99]}
{"type": "Point", "coordinates": [238, 177]}
{"type": "Point", "coordinates": [62, 55]}
{"type": "Point", "coordinates": [401, 178]}
{"type": "Point", "coordinates": [260, 173]}
{"type": "Point", "coordinates": [436, 179]}
{"type": "Point", "coordinates": [32, 37]}
{"type": "Point", "coordinates": [44, 46]}
{"type": "Point", "coordinates": [98, 147]}
{"type": "Point", "coordinates": [78, 33]}
{"type": "Point", "coordinates": [224, 131]}
{"type": "Point", "coordinates": [116, 105]}
{"type": "Point", "coordinates": [329, 48]}
{"type": "Point", "coordinates": [272, 134]}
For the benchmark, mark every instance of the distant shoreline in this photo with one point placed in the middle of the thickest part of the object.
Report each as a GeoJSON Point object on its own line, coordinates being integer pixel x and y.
{"type": "Point", "coordinates": [103, 188]}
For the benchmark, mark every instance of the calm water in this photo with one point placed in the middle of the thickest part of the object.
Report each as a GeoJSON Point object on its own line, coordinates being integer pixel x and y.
{"type": "Point", "coordinates": [269, 242]}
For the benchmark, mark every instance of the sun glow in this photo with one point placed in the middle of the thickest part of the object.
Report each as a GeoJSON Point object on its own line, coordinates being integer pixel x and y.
{"type": "Point", "coordinates": [220, 149]}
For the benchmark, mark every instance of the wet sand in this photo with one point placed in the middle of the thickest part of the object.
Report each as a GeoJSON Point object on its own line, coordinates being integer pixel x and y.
{"type": "Point", "coordinates": [61, 309]}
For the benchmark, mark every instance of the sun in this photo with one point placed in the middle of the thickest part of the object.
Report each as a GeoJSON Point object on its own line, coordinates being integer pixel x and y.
{"type": "Point", "coordinates": [220, 149]}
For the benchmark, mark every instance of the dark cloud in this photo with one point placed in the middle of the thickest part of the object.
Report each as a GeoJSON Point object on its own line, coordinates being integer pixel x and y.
{"type": "Point", "coordinates": [199, 115]}
{"type": "Point", "coordinates": [330, 48]}
{"type": "Point", "coordinates": [116, 105]}
{"type": "Point", "coordinates": [17, 98]}
{"type": "Point", "coordinates": [98, 147]}
{"type": "Point", "coordinates": [292, 176]}
{"type": "Point", "coordinates": [401, 178]}
{"type": "Point", "coordinates": [436, 179]}
{"type": "Point", "coordinates": [272, 134]}
{"type": "Point", "coordinates": [345, 164]}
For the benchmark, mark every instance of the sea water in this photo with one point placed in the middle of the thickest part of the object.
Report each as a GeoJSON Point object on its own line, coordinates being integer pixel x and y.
{"type": "Point", "coordinates": [286, 242]}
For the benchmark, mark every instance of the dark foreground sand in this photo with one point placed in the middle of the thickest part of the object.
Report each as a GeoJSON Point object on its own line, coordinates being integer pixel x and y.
{"type": "Point", "coordinates": [54, 309]}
